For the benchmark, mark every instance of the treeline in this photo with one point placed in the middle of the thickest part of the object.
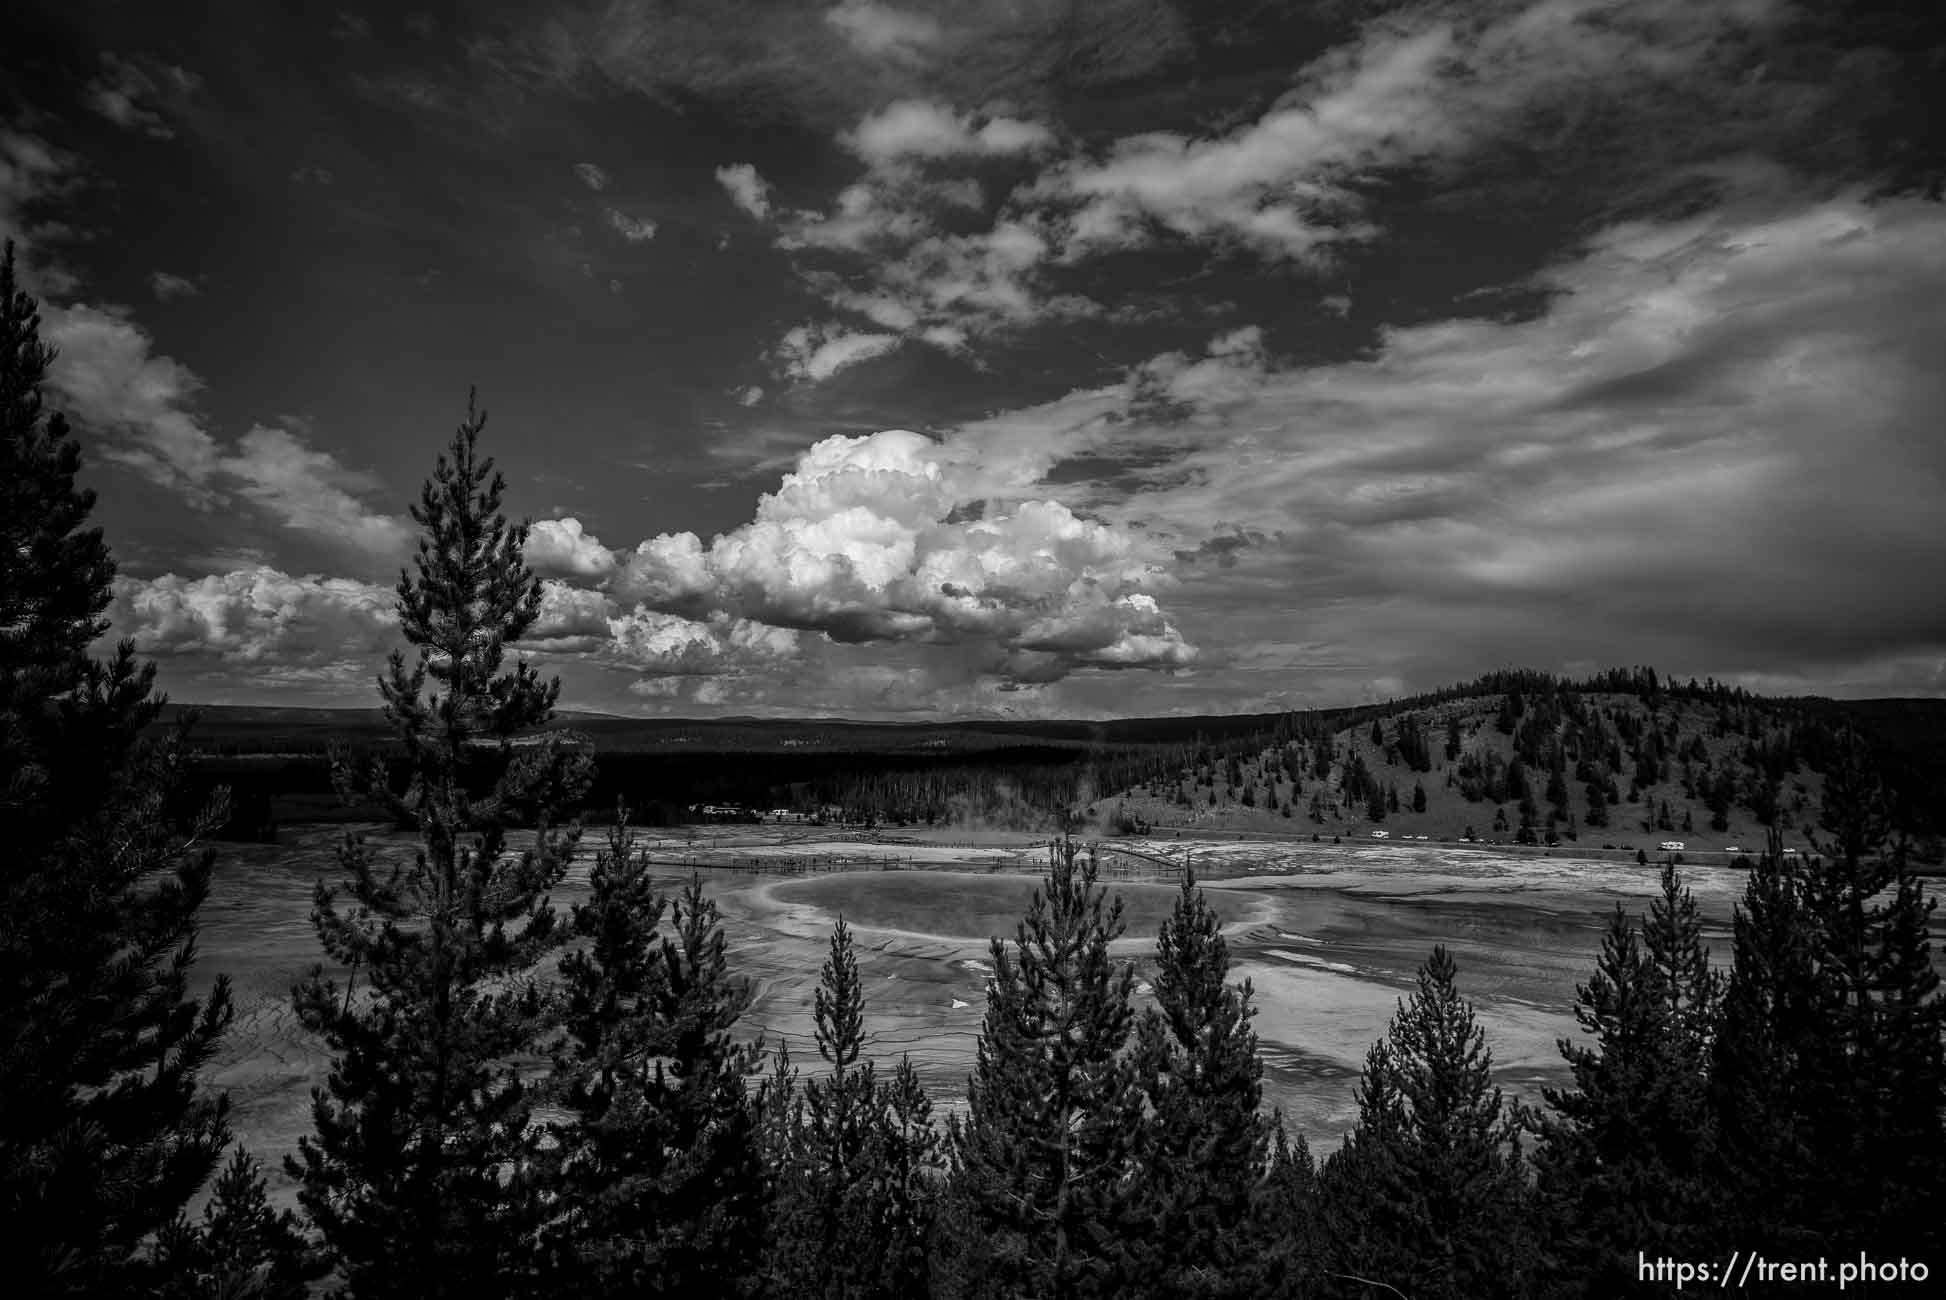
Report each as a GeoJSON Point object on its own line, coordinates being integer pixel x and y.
{"type": "Point", "coordinates": [1574, 751]}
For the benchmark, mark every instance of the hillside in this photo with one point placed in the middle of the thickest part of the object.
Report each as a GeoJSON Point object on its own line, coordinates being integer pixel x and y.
{"type": "Point", "coordinates": [1621, 760]}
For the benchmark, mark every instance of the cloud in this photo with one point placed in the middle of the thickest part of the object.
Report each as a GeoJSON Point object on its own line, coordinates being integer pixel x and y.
{"type": "Point", "coordinates": [312, 176]}
{"type": "Point", "coordinates": [117, 92]}
{"type": "Point", "coordinates": [307, 491]}
{"type": "Point", "coordinates": [924, 129]}
{"type": "Point", "coordinates": [884, 32]}
{"type": "Point", "coordinates": [592, 176]}
{"type": "Point", "coordinates": [633, 229]}
{"type": "Point", "coordinates": [750, 396]}
{"type": "Point", "coordinates": [1414, 92]}
{"type": "Point", "coordinates": [110, 380]}
{"type": "Point", "coordinates": [1416, 89]}
{"type": "Point", "coordinates": [1687, 457]}
{"type": "Point", "coordinates": [869, 540]}
{"type": "Point", "coordinates": [814, 353]}
{"type": "Point", "coordinates": [33, 173]}
{"type": "Point", "coordinates": [572, 619]}
{"type": "Point", "coordinates": [665, 645]}
{"type": "Point", "coordinates": [106, 372]}
{"type": "Point", "coordinates": [560, 548]}
{"type": "Point", "coordinates": [259, 617]}
{"type": "Point", "coordinates": [746, 189]}
{"type": "Point", "coordinates": [166, 286]}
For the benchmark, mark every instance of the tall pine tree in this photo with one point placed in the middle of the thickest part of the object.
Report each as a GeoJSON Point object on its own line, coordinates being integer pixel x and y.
{"type": "Point", "coordinates": [419, 1173]}
{"type": "Point", "coordinates": [241, 1249]}
{"type": "Point", "coordinates": [104, 1133]}
{"type": "Point", "coordinates": [1042, 1167]}
{"type": "Point", "coordinates": [1625, 1163]}
{"type": "Point", "coordinates": [1758, 1086]}
{"type": "Point", "coordinates": [1206, 1147]}
{"type": "Point", "coordinates": [1832, 1062]}
{"type": "Point", "coordinates": [1427, 1196]}
{"type": "Point", "coordinates": [855, 1215]}
{"type": "Point", "coordinates": [658, 1184]}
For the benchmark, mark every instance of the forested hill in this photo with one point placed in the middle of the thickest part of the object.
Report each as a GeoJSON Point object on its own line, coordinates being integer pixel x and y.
{"type": "Point", "coordinates": [1623, 757]}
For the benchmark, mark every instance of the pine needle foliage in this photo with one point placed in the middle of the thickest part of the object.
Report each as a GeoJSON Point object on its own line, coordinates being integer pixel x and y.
{"type": "Point", "coordinates": [1042, 1168]}
{"type": "Point", "coordinates": [1830, 1067]}
{"type": "Point", "coordinates": [1625, 1165]}
{"type": "Point", "coordinates": [419, 1173]}
{"type": "Point", "coordinates": [854, 1212]}
{"type": "Point", "coordinates": [657, 1182]}
{"type": "Point", "coordinates": [1427, 1194]}
{"type": "Point", "coordinates": [1206, 1144]}
{"type": "Point", "coordinates": [242, 1249]}
{"type": "Point", "coordinates": [104, 1132]}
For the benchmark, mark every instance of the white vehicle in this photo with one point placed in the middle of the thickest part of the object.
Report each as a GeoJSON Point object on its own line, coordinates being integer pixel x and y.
{"type": "Point", "coordinates": [1733, 849]}
{"type": "Point", "coordinates": [1671, 846]}
{"type": "Point", "coordinates": [1381, 835]}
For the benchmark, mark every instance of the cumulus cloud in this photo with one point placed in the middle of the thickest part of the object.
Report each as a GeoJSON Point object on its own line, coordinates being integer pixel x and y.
{"type": "Point", "coordinates": [560, 548]}
{"type": "Point", "coordinates": [869, 539]}
{"type": "Point", "coordinates": [814, 353]}
{"type": "Point", "coordinates": [572, 619]}
{"type": "Point", "coordinates": [256, 616]}
{"type": "Point", "coordinates": [633, 229]}
{"type": "Point", "coordinates": [746, 188]}
{"type": "Point", "coordinates": [659, 645]}
{"type": "Point", "coordinates": [166, 286]}
{"type": "Point", "coordinates": [314, 630]}
{"type": "Point", "coordinates": [915, 128]}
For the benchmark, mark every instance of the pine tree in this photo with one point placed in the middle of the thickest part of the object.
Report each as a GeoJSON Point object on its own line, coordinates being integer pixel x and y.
{"type": "Point", "coordinates": [1625, 1160]}
{"type": "Point", "coordinates": [241, 1248]}
{"type": "Point", "coordinates": [1759, 1099]}
{"type": "Point", "coordinates": [855, 1216]}
{"type": "Point", "coordinates": [1041, 1167]}
{"type": "Point", "coordinates": [419, 1175]}
{"type": "Point", "coordinates": [1427, 1195]}
{"type": "Point", "coordinates": [1877, 1078]}
{"type": "Point", "coordinates": [905, 1160]}
{"type": "Point", "coordinates": [657, 1176]}
{"type": "Point", "coordinates": [1287, 1208]}
{"type": "Point", "coordinates": [104, 1133]}
{"type": "Point", "coordinates": [1206, 1147]}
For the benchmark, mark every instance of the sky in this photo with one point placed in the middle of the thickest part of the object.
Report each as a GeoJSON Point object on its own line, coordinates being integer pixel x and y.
{"type": "Point", "coordinates": [960, 358]}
